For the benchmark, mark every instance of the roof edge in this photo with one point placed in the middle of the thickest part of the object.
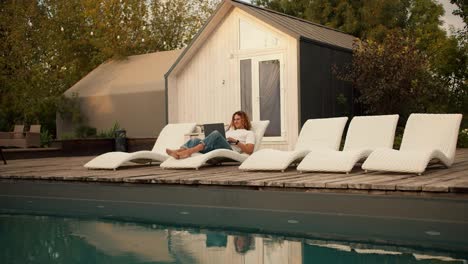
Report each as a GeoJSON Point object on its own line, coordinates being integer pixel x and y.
{"type": "Point", "coordinates": [328, 45]}
{"type": "Point", "coordinates": [240, 4]}
{"type": "Point", "coordinates": [289, 16]}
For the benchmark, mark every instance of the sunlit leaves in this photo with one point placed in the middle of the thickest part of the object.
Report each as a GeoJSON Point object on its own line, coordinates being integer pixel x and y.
{"type": "Point", "coordinates": [48, 45]}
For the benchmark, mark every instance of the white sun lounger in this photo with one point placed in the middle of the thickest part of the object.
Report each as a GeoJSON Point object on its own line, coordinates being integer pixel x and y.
{"type": "Point", "coordinates": [172, 136]}
{"type": "Point", "coordinates": [197, 160]}
{"type": "Point", "coordinates": [324, 133]}
{"type": "Point", "coordinates": [365, 134]}
{"type": "Point", "coordinates": [426, 137]}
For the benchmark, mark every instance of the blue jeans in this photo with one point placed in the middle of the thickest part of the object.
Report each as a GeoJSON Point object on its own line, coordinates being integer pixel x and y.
{"type": "Point", "coordinates": [213, 141]}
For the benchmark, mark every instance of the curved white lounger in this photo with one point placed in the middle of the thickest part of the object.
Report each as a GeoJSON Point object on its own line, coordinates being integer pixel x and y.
{"type": "Point", "coordinates": [323, 133]}
{"type": "Point", "coordinates": [426, 137]}
{"type": "Point", "coordinates": [172, 136]}
{"type": "Point", "coordinates": [365, 134]}
{"type": "Point", "coordinates": [197, 160]}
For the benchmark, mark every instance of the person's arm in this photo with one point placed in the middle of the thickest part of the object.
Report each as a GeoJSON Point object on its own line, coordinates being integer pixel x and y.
{"type": "Point", "coordinates": [249, 145]}
{"type": "Point", "coordinates": [246, 148]}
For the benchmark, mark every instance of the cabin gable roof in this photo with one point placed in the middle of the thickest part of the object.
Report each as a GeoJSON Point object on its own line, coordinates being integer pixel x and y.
{"type": "Point", "coordinates": [293, 26]}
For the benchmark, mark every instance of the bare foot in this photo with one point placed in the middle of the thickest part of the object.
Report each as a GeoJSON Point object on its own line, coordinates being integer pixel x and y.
{"type": "Point", "coordinates": [172, 153]}
{"type": "Point", "coordinates": [184, 154]}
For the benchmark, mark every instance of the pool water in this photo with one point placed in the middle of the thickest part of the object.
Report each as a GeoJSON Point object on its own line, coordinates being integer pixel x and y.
{"type": "Point", "coordinates": [47, 239]}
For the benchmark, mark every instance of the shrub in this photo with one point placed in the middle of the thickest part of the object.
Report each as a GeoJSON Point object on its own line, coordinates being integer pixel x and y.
{"type": "Point", "coordinates": [110, 132]}
{"type": "Point", "coordinates": [84, 131]}
{"type": "Point", "coordinates": [463, 138]}
{"type": "Point", "coordinates": [394, 77]}
{"type": "Point", "coordinates": [398, 137]}
{"type": "Point", "coordinates": [46, 138]}
{"type": "Point", "coordinates": [66, 136]}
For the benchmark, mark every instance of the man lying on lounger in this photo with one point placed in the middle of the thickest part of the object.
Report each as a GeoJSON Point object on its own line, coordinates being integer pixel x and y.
{"type": "Point", "coordinates": [239, 138]}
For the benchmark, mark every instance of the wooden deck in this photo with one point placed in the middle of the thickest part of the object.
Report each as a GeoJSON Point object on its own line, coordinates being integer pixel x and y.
{"type": "Point", "coordinates": [435, 180]}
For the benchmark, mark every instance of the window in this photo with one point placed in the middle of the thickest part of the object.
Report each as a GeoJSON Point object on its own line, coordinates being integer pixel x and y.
{"type": "Point", "coordinates": [246, 86]}
{"type": "Point", "coordinates": [269, 93]}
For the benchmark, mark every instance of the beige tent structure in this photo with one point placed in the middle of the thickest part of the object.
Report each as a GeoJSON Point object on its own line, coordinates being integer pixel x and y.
{"type": "Point", "coordinates": [130, 92]}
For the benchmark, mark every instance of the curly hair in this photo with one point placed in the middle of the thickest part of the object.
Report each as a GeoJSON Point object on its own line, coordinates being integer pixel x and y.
{"type": "Point", "coordinates": [245, 120]}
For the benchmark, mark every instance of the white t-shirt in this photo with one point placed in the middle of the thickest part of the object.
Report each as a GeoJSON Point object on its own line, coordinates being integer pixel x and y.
{"type": "Point", "coordinates": [243, 135]}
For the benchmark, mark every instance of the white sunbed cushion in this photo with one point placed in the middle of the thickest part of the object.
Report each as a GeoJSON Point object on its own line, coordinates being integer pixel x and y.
{"type": "Point", "coordinates": [432, 132]}
{"type": "Point", "coordinates": [113, 160]}
{"type": "Point", "coordinates": [411, 161]}
{"type": "Point", "coordinates": [371, 132]}
{"type": "Point", "coordinates": [426, 137]}
{"type": "Point", "coordinates": [365, 134]}
{"type": "Point", "coordinates": [322, 133]}
{"type": "Point", "coordinates": [171, 135]}
{"type": "Point", "coordinates": [197, 160]}
{"type": "Point", "coordinates": [272, 159]}
{"type": "Point", "coordinates": [331, 160]}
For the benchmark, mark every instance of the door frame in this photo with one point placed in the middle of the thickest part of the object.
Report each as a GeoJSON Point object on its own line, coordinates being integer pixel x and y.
{"type": "Point", "coordinates": [255, 60]}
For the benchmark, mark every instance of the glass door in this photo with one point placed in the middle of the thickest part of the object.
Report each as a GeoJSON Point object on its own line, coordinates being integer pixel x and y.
{"type": "Point", "coordinates": [261, 81]}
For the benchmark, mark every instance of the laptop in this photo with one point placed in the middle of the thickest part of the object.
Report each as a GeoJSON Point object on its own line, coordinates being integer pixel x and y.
{"type": "Point", "coordinates": [208, 128]}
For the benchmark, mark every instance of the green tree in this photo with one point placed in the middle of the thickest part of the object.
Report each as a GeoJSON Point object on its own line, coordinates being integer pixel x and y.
{"type": "Point", "coordinates": [457, 73]}
{"type": "Point", "coordinates": [419, 21]}
{"type": "Point", "coordinates": [462, 10]}
{"type": "Point", "coordinates": [180, 21]}
{"type": "Point", "coordinates": [48, 45]}
{"type": "Point", "coordinates": [394, 77]}
{"type": "Point", "coordinates": [363, 19]}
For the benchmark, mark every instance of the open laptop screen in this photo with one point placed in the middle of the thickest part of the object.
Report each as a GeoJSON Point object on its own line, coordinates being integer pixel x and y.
{"type": "Point", "coordinates": [208, 128]}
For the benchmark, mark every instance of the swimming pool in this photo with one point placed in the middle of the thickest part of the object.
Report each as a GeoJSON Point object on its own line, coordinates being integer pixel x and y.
{"type": "Point", "coordinates": [106, 223]}
{"type": "Point", "coordinates": [42, 239]}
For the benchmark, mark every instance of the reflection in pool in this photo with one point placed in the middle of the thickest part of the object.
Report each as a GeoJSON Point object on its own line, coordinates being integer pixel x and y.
{"type": "Point", "coordinates": [40, 239]}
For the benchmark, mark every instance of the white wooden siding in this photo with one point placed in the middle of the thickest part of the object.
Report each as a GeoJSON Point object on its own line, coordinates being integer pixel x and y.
{"type": "Point", "coordinates": [207, 88]}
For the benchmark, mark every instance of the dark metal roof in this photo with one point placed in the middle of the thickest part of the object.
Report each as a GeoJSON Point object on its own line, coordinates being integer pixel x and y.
{"type": "Point", "coordinates": [299, 27]}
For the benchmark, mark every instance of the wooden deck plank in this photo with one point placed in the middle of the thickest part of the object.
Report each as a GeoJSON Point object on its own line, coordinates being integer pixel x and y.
{"type": "Point", "coordinates": [315, 180]}
{"type": "Point", "coordinates": [276, 180]}
{"type": "Point", "coordinates": [435, 179]}
{"type": "Point", "coordinates": [195, 178]}
{"type": "Point", "coordinates": [343, 183]}
{"type": "Point", "coordinates": [417, 183]}
{"type": "Point", "coordinates": [446, 185]}
{"type": "Point", "coordinates": [240, 178]}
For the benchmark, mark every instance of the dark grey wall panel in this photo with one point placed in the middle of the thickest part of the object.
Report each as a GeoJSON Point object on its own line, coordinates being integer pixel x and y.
{"type": "Point", "coordinates": [320, 89]}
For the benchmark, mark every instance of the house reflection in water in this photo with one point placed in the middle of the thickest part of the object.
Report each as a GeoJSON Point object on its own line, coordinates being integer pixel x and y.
{"type": "Point", "coordinates": [189, 247]}
{"type": "Point", "coordinates": [176, 245]}
{"type": "Point", "coordinates": [180, 246]}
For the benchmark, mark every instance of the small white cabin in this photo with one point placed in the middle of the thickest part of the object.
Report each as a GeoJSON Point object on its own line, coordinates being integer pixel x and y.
{"type": "Point", "coordinates": [273, 66]}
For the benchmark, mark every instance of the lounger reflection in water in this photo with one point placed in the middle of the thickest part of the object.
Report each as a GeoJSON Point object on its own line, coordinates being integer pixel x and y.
{"type": "Point", "coordinates": [427, 137]}
{"type": "Point", "coordinates": [172, 136]}
{"type": "Point", "coordinates": [365, 134]}
{"type": "Point", "coordinates": [324, 133]}
{"type": "Point", "coordinates": [197, 160]}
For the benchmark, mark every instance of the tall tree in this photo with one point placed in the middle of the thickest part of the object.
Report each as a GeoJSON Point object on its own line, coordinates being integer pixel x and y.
{"type": "Point", "coordinates": [462, 10]}
{"type": "Point", "coordinates": [364, 19]}
{"type": "Point", "coordinates": [394, 77]}
{"type": "Point", "coordinates": [417, 20]}
{"type": "Point", "coordinates": [48, 45]}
